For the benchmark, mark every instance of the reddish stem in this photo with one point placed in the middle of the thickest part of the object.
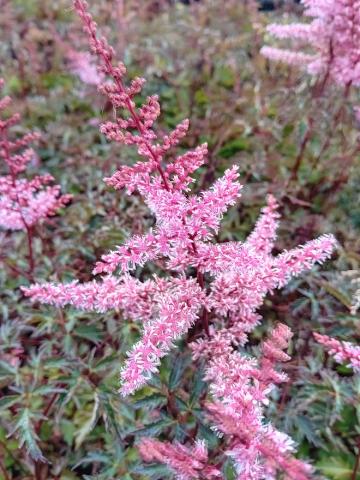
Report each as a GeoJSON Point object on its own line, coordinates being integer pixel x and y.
{"type": "Point", "coordinates": [300, 155]}
{"type": "Point", "coordinates": [29, 234]}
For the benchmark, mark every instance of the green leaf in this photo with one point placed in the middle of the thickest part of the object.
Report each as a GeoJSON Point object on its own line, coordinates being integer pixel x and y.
{"type": "Point", "coordinates": [152, 471]}
{"type": "Point", "coordinates": [89, 424]}
{"type": "Point", "coordinates": [337, 467]}
{"type": "Point", "coordinates": [238, 145]}
{"type": "Point", "coordinates": [151, 401]}
{"type": "Point", "coordinates": [198, 387]}
{"type": "Point", "coordinates": [229, 470]}
{"type": "Point", "coordinates": [154, 429]}
{"type": "Point", "coordinates": [336, 293]}
{"type": "Point", "coordinates": [106, 362]}
{"type": "Point", "coordinates": [27, 435]}
{"type": "Point", "coordinates": [90, 332]}
{"type": "Point", "coordinates": [92, 457]}
{"type": "Point", "coordinates": [68, 430]}
{"type": "Point", "coordinates": [6, 402]}
{"type": "Point", "coordinates": [177, 371]}
{"type": "Point", "coordinates": [307, 429]}
{"type": "Point", "coordinates": [48, 389]}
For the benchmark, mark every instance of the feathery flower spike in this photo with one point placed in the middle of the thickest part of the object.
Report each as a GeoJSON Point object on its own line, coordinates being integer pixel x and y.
{"type": "Point", "coordinates": [232, 278]}
{"type": "Point", "coordinates": [343, 352]}
{"type": "Point", "coordinates": [23, 202]}
{"type": "Point", "coordinates": [333, 35]}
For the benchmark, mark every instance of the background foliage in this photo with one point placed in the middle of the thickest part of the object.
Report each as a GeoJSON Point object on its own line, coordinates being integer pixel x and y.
{"type": "Point", "coordinates": [59, 369]}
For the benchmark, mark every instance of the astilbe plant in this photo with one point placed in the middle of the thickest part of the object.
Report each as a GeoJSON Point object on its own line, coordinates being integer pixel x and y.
{"type": "Point", "coordinates": [24, 203]}
{"type": "Point", "coordinates": [343, 352]}
{"type": "Point", "coordinates": [333, 35]}
{"type": "Point", "coordinates": [208, 290]}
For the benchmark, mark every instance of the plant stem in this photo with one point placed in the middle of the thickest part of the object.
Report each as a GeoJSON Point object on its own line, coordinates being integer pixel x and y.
{"type": "Point", "coordinates": [204, 316]}
{"type": "Point", "coordinates": [357, 463]}
{"type": "Point", "coordinates": [300, 155]}
{"type": "Point", "coordinates": [29, 233]}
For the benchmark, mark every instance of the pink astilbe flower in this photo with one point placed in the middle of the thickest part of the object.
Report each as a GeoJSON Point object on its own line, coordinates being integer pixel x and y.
{"type": "Point", "coordinates": [82, 65]}
{"type": "Point", "coordinates": [343, 352]}
{"type": "Point", "coordinates": [334, 36]}
{"type": "Point", "coordinates": [263, 237]}
{"type": "Point", "coordinates": [188, 463]}
{"type": "Point", "coordinates": [240, 387]}
{"type": "Point", "coordinates": [23, 202]}
{"type": "Point", "coordinates": [178, 310]}
{"type": "Point", "coordinates": [239, 275]}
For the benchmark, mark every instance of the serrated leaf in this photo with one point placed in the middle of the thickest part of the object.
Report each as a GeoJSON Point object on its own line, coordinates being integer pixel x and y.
{"type": "Point", "coordinates": [6, 402]}
{"type": "Point", "coordinates": [177, 371]}
{"type": "Point", "coordinates": [154, 429]}
{"type": "Point", "coordinates": [151, 401]}
{"type": "Point", "coordinates": [92, 457]}
{"type": "Point", "coordinates": [198, 387]}
{"type": "Point", "coordinates": [307, 429]}
{"type": "Point", "coordinates": [48, 389]}
{"type": "Point", "coordinates": [27, 435]}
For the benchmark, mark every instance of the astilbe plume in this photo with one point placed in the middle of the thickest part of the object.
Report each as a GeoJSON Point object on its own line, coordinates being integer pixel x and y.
{"type": "Point", "coordinates": [23, 202]}
{"type": "Point", "coordinates": [333, 35]}
{"type": "Point", "coordinates": [217, 287]}
{"type": "Point", "coordinates": [343, 352]}
{"type": "Point", "coordinates": [81, 64]}
{"type": "Point", "coordinates": [187, 463]}
{"type": "Point", "coordinates": [240, 386]}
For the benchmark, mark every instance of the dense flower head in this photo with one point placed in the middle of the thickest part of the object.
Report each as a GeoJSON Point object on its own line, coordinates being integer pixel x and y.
{"type": "Point", "coordinates": [343, 352]}
{"type": "Point", "coordinates": [238, 280]}
{"type": "Point", "coordinates": [188, 463]}
{"type": "Point", "coordinates": [82, 65]}
{"type": "Point", "coordinates": [238, 275]}
{"type": "Point", "coordinates": [178, 309]}
{"type": "Point", "coordinates": [219, 286]}
{"type": "Point", "coordinates": [23, 202]}
{"type": "Point", "coordinates": [26, 202]}
{"type": "Point", "coordinates": [240, 387]}
{"type": "Point", "coordinates": [333, 35]}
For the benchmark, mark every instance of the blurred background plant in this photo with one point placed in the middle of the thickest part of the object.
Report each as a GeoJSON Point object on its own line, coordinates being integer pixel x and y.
{"type": "Point", "coordinates": [59, 373]}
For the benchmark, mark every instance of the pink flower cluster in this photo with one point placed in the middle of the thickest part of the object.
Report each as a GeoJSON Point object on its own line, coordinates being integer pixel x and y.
{"type": "Point", "coordinates": [240, 387]}
{"type": "Point", "coordinates": [334, 38]}
{"type": "Point", "coordinates": [343, 352]}
{"type": "Point", "coordinates": [82, 65]}
{"type": "Point", "coordinates": [218, 286]}
{"type": "Point", "coordinates": [187, 463]}
{"type": "Point", "coordinates": [239, 275]}
{"type": "Point", "coordinates": [23, 202]}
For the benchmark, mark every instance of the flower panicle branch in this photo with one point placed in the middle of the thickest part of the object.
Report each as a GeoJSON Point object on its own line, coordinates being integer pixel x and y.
{"type": "Point", "coordinates": [23, 202]}
{"type": "Point", "coordinates": [333, 35]}
{"type": "Point", "coordinates": [343, 352]}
